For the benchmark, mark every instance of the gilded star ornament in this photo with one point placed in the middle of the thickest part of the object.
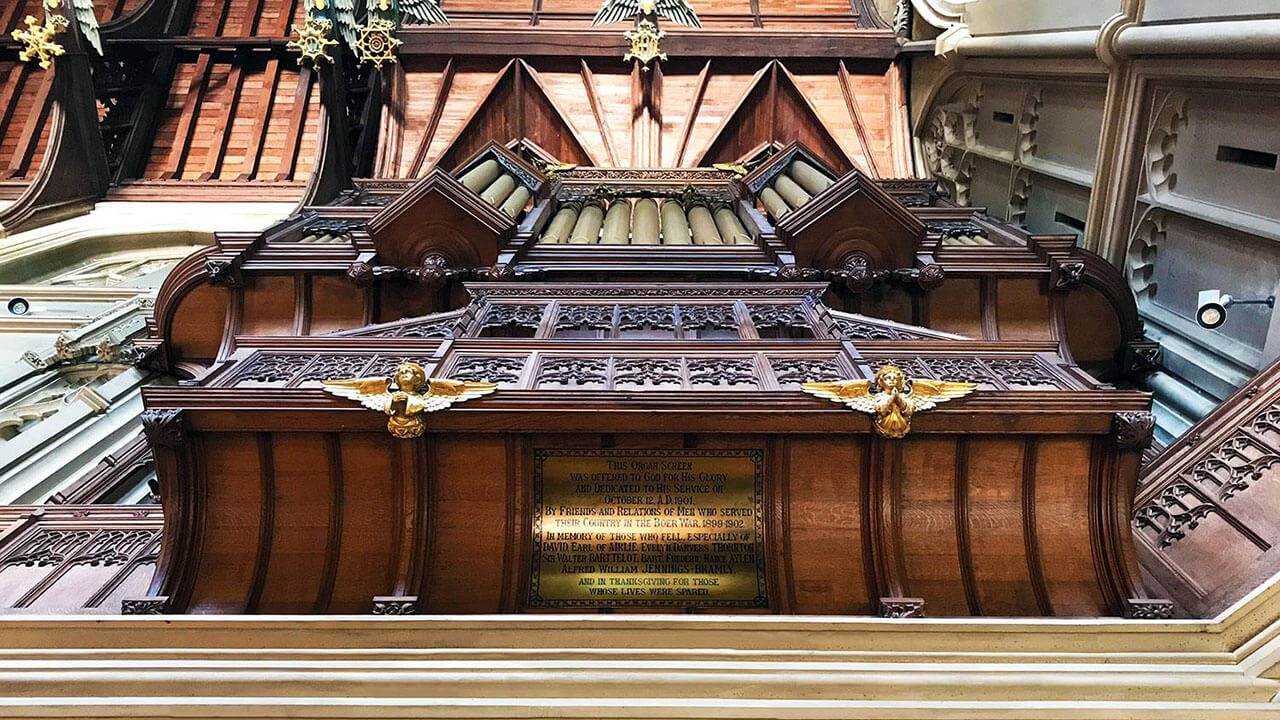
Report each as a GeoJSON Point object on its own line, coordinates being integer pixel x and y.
{"type": "Point", "coordinates": [891, 397]}
{"type": "Point", "coordinates": [312, 41]}
{"type": "Point", "coordinates": [377, 42]}
{"type": "Point", "coordinates": [38, 39]}
{"type": "Point", "coordinates": [407, 395]}
{"type": "Point", "coordinates": [646, 43]}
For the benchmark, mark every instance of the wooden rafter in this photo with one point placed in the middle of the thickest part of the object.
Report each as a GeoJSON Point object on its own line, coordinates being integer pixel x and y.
{"type": "Point", "coordinates": [9, 92]}
{"type": "Point", "coordinates": [222, 131]}
{"type": "Point", "coordinates": [691, 115]}
{"type": "Point", "coordinates": [846, 87]}
{"type": "Point", "coordinates": [597, 110]}
{"type": "Point", "coordinates": [297, 124]}
{"type": "Point", "coordinates": [266, 102]}
{"type": "Point", "coordinates": [433, 122]}
{"type": "Point", "coordinates": [30, 138]}
{"type": "Point", "coordinates": [187, 120]}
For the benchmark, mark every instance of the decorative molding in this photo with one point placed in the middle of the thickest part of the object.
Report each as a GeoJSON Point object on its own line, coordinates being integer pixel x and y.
{"type": "Point", "coordinates": [1133, 429]}
{"type": "Point", "coordinates": [898, 607]}
{"type": "Point", "coordinates": [1162, 142]}
{"type": "Point", "coordinates": [1032, 102]}
{"type": "Point", "coordinates": [395, 605]}
{"type": "Point", "coordinates": [955, 229]}
{"type": "Point", "coordinates": [1143, 253]}
{"type": "Point", "coordinates": [1067, 275]}
{"type": "Point", "coordinates": [1145, 609]}
{"type": "Point", "coordinates": [164, 428]}
{"type": "Point", "coordinates": [154, 605]}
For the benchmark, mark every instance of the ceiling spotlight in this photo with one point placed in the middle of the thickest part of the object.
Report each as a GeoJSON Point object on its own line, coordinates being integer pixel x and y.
{"type": "Point", "coordinates": [1211, 310]}
{"type": "Point", "coordinates": [19, 306]}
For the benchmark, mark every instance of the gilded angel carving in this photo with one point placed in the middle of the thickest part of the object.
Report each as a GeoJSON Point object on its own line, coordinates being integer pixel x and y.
{"type": "Point", "coordinates": [413, 396]}
{"type": "Point", "coordinates": [891, 397]}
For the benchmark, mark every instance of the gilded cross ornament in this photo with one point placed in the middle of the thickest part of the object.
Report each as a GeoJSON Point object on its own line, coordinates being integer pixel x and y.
{"type": "Point", "coordinates": [891, 397]}
{"type": "Point", "coordinates": [38, 39]}
{"type": "Point", "coordinates": [413, 396]}
{"type": "Point", "coordinates": [312, 41]}
{"type": "Point", "coordinates": [377, 42]}
{"type": "Point", "coordinates": [646, 43]}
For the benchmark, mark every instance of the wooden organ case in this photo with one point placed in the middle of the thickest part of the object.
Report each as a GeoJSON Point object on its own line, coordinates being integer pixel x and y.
{"type": "Point", "coordinates": [648, 446]}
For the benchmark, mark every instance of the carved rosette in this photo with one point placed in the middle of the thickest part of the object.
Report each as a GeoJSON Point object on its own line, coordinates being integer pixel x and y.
{"type": "Point", "coordinates": [1133, 429]}
{"type": "Point", "coordinates": [395, 605]}
{"type": "Point", "coordinates": [163, 428]}
{"type": "Point", "coordinates": [1141, 609]}
{"type": "Point", "coordinates": [433, 273]}
{"type": "Point", "coordinates": [155, 605]}
{"type": "Point", "coordinates": [857, 273]}
{"type": "Point", "coordinates": [925, 278]}
{"type": "Point", "coordinates": [896, 607]}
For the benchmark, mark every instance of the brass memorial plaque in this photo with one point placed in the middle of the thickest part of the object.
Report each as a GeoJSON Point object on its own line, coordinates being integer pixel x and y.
{"type": "Point", "coordinates": [648, 528]}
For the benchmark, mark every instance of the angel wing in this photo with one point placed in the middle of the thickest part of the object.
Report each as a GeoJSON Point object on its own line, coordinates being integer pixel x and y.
{"type": "Point", "coordinates": [371, 392]}
{"type": "Point", "coordinates": [613, 11]}
{"type": "Point", "coordinates": [927, 394]}
{"type": "Point", "coordinates": [854, 393]}
{"type": "Point", "coordinates": [423, 12]}
{"type": "Point", "coordinates": [344, 13]}
{"type": "Point", "coordinates": [441, 394]}
{"type": "Point", "coordinates": [88, 23]}
{"type": "Point", "coordinates": [678, 11]}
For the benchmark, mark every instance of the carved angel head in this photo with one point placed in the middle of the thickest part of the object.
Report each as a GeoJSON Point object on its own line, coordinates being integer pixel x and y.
{"type": "Point", "coordinates": [890, 378]}
{"type": "Point", "coordinates": [410, 377]}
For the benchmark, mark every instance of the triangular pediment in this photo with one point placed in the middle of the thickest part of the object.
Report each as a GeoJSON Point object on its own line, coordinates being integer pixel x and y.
{"type": "Point", "coordinates": [775, 111]}
{"type": "Point", "coordinates": [517, 107]}
{"type": "Point", "coordinates": [438, 215]}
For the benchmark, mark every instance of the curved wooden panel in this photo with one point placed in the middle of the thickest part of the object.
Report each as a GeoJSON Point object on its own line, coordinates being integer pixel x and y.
{"type": "Point", "coordinates": [1093, 329]}
{"type": "Point", "coordinates": [930, 549]}
{"type": "Point", "coordinates": [825, 481]}
{"type": "Point", "coordinates": [1061, 526]}
{"type": "Point", "coordinates": [368, 522]}
{"type": "Point", "coordinates": [993, 474]}
{"type": "Point", "coordinates": [234, 514]}
{"type": "Point", "coordinates": [197, 323]}
{"type": "Point", "coordinates": [297, 561]}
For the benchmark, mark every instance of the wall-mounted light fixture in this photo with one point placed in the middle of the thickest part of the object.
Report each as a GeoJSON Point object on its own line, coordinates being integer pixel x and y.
{"type": "Point", "coordinates": [1211, 310]}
